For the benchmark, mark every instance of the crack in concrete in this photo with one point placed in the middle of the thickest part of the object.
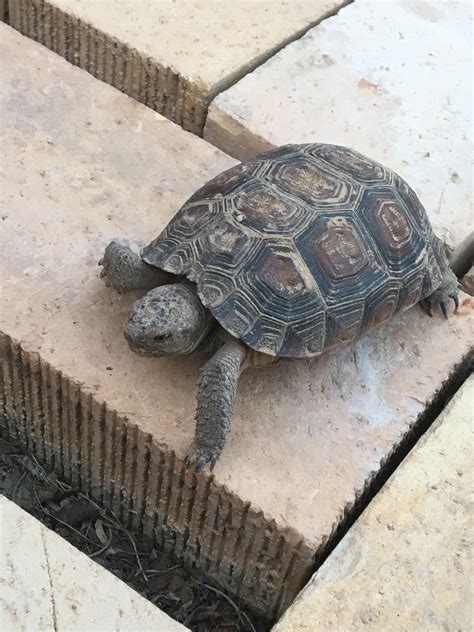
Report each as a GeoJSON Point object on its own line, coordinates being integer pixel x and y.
{"type": "Point", "coordinates": [53, 602]}
{"type": "Point", "coordinates": [230, 80]}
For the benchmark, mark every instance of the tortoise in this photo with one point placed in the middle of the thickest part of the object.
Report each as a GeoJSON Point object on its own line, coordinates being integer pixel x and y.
{"type": "Point", "coordinates": [293, 253]}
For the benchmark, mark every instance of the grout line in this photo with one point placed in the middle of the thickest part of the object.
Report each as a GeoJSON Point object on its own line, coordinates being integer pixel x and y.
{"type": "Point", "coordinates": [51, 587]}
{"type": "Point", "coordinates": [230, 81]}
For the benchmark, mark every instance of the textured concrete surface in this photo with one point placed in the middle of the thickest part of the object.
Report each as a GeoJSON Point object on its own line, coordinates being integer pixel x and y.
{"type": "Point", "coordinates": [406, 564]}
{"type": "Point", "coordinates": [386, 78]}
{"type": "Point", "coordinates": [47, 584]}
{"type": "Point", "coordinates": [82, 164]}
{"type": "Point", "coordinates": [173, 56]}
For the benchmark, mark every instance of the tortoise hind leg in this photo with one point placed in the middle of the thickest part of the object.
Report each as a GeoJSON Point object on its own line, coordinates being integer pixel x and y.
{"type": "Point", "coordinates": [448, 289]}
{"type": "Point", "coordinates": [125, 271]}
{"type": "Point", "coordinates": [216, 394]}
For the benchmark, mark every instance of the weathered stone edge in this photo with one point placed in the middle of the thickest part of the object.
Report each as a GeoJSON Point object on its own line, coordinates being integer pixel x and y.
{"type": "Point", "coordinates": [211, 531]}
{"type": "Point", "coordinates": [199, 522]}
{"type": "Point", "coordinates": [113, 62]}
{"type": "Point", "coordinates": [144, 79]}
{"type": "Point", "coordinates": [390, 462]}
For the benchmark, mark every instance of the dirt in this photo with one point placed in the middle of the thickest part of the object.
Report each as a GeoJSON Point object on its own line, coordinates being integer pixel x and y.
{"type": "Point", "coordinates": [101, 535]}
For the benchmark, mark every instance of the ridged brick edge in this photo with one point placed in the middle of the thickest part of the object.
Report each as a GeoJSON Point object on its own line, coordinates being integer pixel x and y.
{"type": "Point", "coordinates": [113, 62]}
{"type": "Point", "coordinates": [199, 522]}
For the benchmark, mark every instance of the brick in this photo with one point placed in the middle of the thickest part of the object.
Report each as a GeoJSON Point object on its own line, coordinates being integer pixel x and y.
{"type": "Point", "coordinates": [47, 584]}
{"type": "Point", "coordinates": [405, 564]}
{"type": "Point", "coordinates": [82, 164]}
{"type": "Point", "coordinates": [391, 84]}
{"type": "Point", "coordinates": [172, 56]}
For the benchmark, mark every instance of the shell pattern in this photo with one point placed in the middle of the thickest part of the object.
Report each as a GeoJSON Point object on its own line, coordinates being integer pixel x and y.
{"type": "Point", "coordinates": [303, 249]}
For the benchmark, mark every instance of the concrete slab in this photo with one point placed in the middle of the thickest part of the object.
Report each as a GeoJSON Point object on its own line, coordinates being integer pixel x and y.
{"type": "Point", "coordinates": [172, 56]}
{"type": "Point", "coordinates": [82, 164]}
{"type": "Point", "coordinates": [406, 564]}
{"type": "Point", "coordinates": [386, 78]}
{"type": "Point", "coordinates": [47, 584]}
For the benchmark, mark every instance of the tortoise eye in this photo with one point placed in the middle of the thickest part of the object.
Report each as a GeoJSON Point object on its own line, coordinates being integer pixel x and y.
{"type": "Point", "coordinates": [161, 338]}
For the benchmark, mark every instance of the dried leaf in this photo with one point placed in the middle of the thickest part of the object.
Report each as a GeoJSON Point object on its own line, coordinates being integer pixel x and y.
{"type": "Point", "coordinates": [100, 532]}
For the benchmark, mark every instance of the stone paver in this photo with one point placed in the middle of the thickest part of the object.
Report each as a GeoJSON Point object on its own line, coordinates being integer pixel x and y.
{"type": "Point", "coordinates": [81, 164]}
{"type": "Point", "coordinates": [406, 564]}
{"type": "Point", "coordinates": [47, 584]}
{"type": "Point", "coordinates": [389, 79]}
{"type": "Point", "coordinates": [172, 56]}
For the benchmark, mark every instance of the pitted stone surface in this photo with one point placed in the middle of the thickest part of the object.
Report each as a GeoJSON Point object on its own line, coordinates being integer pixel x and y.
{"type": "Point", "coordinates": [208, 41]}
{"type": "Point", "coordinates": [406, 563]}
{"type": "Point", "coordinates": [173, 56]}
{"type": "Point", "coordinates": [47, 584]}
{"type": "Point", "coordinates": [83, 164]}
{"type": "Point", "coordinates": [389, 80]}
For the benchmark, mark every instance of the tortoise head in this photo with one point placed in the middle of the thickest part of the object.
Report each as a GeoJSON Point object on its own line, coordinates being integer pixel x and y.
{"type": "Point", "coordinates": [168, 320]}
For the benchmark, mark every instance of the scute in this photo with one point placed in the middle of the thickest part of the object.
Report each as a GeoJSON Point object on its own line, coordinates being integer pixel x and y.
{"type": "Point", "coordinates": [303, 249]}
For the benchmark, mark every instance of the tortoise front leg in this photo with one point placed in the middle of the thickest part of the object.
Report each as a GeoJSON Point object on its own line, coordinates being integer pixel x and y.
{"type": "Point", "coordinates": [125, 271]}
{"type": "Point", "coordinates": [215, 400]}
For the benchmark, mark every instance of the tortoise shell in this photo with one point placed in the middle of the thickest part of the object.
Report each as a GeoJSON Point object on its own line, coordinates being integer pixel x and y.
{"type": "Point", "coordinates": [303, 249]}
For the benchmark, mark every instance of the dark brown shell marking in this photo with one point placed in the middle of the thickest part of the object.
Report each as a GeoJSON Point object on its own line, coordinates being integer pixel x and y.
{"type": "Point", "coordinates": [302, 249]}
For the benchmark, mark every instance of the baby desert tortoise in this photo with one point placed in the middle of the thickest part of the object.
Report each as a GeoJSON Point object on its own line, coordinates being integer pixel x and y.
{"type": "Point", "coordinates": [296, 252]}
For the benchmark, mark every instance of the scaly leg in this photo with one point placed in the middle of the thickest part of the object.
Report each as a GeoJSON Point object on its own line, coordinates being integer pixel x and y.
{"type": "Point", "coordinates": [448, 289]}
{"type": "Point", "coordinates": [216, 394]}
{"type": "Point", "coordinates": [125, 271]}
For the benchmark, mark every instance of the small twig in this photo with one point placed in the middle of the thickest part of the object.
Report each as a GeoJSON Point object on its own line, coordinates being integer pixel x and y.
{"type": "Point", "coordinates": [81, 535]}
{"type": "Point", "coordinates": [164, 595]}
{"type": "Point", "coordinates": [152, 571]}
{"type": "Point", "coordinates": [234, 605]}
{"type": "Point", "coordinates": [123, 530]}
{"type": "Point", "coordinates": [46, 511]}
{"type": "Point", "coordinates": [136, 555]}
{"type": "Point", "coordinates": [33, 487]}
{"type": "Point", "coordinates": [92, 502]}
{"type": "Point", "coordinates": [86, 534]}
{"type": "Point", "coordinates": [44, 476]}
{"type": "Point", "coordinates": [62, 485]}
{"type": "Point", "coordinates": [17, 484]}
{"type": "Point", "coordinates": [103, 548]}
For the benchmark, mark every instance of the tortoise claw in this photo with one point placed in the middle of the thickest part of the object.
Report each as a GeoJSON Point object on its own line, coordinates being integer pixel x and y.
{"type": "Point", "coordinates": [455, 298]}
{"type": "Point", "coordinates": [427, 307]}
{"type": "Point", "coordinates": [101, 261]}
{"type": "Point", "coordinates": [199, 456]}
{"type": "Point", "coordinates": [195, 463]}
{"type": "Point", "coordinates": [444, 308]}
{"type": "Point", "coordinates": [441, 297]}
